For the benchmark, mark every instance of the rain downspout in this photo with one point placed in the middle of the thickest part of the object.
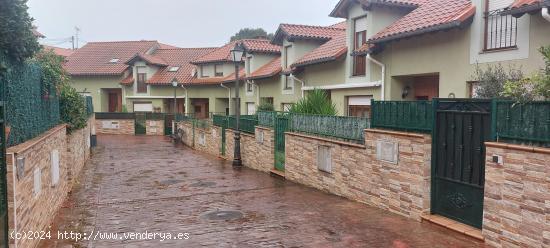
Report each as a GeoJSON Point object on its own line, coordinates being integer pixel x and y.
{"type": "Point", "coordinates": [301, 81]}
{"type": "Point", "coordinates": [382, 97]}
{"type": "Point", "coordinates": [186, 100]}
{"type": "Point", "coordinates": [546, 14]}
{"type": "Point", "coordinates": [229, 100]}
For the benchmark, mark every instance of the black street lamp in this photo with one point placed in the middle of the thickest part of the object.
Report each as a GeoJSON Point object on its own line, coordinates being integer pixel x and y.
{"type": "Point", "coordinates": [175, 84]}
{"type": "Point", "coordinates": [236, 56]}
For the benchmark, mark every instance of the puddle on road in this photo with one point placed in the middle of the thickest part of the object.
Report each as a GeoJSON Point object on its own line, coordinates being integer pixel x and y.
{"type": "Point", "coordinates": [222, 215]}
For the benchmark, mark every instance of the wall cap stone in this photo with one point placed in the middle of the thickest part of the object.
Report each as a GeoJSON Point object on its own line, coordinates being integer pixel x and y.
{"type": "Point", "coordinates": [518, 147]}
{"type": "Point", "coordinates": [326, 140]}
{"type": "Point", "coordinates": [264, 128]}
{"type": "Point", "coordinates": [30, 143]}
{"type": "Point", "coordinates": [406, 134]}
{"type": "Point", "coordinates": [242, 133]}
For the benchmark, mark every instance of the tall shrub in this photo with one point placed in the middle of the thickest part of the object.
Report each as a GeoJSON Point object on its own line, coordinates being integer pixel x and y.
{"type": "Point", "coordinates": [316, 102]}
{"type": "Point", "coordinates": [17, 40]}
{"type": "Point", "coordinates": [492, 78]}
{"type": "Point", "coordinates": [535, 87]}
{"type": "Point", "coordinates": [72, 107]}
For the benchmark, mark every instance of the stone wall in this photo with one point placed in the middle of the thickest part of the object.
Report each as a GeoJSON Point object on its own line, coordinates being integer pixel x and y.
{"type": "Point", "coordinates": [126, 127]}
{"type": "Point", "coordinates": [256, 154]}
{"type": "Point", "coordinates": [517, 196]}
{"type": "Point", "coordinates": [208, 140]}
{"type": "Point", "coordinates": [154, 127]}
{"type": "Point", "coordinates": [78, 150]}
{"type": "Point", "coordinates": [356, 173]}
{"type": "Point", "coordinates": [30, 211]}
{"type": "Point", "coordinates": [187, 128]}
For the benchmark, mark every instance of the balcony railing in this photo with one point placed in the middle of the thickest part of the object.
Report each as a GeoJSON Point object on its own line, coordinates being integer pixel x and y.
{"type": "Point", "coordinates": [501, 30]}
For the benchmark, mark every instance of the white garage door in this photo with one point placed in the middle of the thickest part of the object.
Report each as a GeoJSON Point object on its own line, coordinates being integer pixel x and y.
{"type": "Point", "coordinates": [143, 107]}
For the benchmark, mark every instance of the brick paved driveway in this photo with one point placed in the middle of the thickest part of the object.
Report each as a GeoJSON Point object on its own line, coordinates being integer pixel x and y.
{"type": "Point", "coordinates": [138, 184]}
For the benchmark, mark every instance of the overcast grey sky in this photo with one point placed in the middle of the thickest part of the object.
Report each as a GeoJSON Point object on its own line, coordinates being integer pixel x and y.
{"type": "Point", "coordinates": [184, 23]}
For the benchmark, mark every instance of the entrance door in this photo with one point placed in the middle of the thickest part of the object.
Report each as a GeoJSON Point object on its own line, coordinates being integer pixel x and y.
{"type": "Point", "coordinates": [140, 123]}
{"type": "Point", "coordinates": [113, 102]}
{"type": "Point", "coordinates": [458, 161]}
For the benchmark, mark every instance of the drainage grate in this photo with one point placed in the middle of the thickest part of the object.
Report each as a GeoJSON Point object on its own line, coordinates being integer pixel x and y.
{"type": "Point", "coordinates": [223, 215]}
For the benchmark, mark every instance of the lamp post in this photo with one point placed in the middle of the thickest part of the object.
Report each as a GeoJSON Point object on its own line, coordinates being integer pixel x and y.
{"type": "Point", "coordinates": [175, 84]}
{"type": "Point", "coordinates": [236, 56]}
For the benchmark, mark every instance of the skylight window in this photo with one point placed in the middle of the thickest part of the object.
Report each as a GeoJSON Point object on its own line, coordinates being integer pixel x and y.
{"type": "Point", "coordinates": [174, 69]}
{"type": "Point", "coordinates": [114, 60]}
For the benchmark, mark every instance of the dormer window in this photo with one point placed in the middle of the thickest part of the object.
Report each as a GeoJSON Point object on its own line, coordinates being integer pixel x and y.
{"type": "Point", "coordinates": [173, 69]}
{"type": "Point", "coordinates": [218, 70]}
{"type": "Point", "coordinates": [114, 60]}
{"type": "Point", "coordinates": [203, 75]}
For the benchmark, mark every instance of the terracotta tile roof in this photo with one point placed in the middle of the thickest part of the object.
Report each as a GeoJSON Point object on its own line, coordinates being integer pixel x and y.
{"type": "Point", "coordinates": [341, 9]}
{"type": "Point", "coordinates": [223, 53]}
{"type": "Point", "coordinates": [63, 52]}
{"type": "Point", "coordinates": [432, 15]}
{"type": "Point", "coordinates": [268, 70]}
{"type": "Point", "coordinates": [149, 59]}
{"type": "Point", "coordinates": [217, 80]}
{"type": "Point", "coordinates": [364, 49]}
{"type": "Point", "coordinates": [331, 50]}
{"type": "Point", "coordinates": [179, 57]}
{"type": "Point", "coordinates": [129, 80]}
{"type": "Point", "coordinates": [306, 32]}
{"type": "Point", "coordinates": [519, 7]}
{"type": "Point", "coordinates": [94, 58]}
{"type": "Point", "coordinates": [340, 25]}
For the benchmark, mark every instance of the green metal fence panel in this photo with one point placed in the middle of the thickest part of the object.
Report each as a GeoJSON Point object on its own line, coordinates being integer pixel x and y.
{"type": "Point", "coordinates": [3, 182]}
{"type": "Point", "coordinates": [219, 120]}
{"type": "Point", "coordinates": [33, 104]}
{"type": "Point", "coordinates": [339, 127]}
{"type": "Point", "coordinates": [416, 116]}
{"type": "Point", "coordinates": [523, 123]}
{"type": "Point", "coordinates": [247, 123]}
{"type": "Point", "coordinates": [266, 119]}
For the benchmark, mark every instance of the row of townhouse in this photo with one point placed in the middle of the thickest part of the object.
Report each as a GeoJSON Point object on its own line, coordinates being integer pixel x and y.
{"type": "Point", "coordinates": [386, 49]}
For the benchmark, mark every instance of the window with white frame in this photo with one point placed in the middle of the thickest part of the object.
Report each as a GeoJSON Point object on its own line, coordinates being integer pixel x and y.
{"type": "Point", "coordinates": [250, 108]}
{"type": "Point", "coordinates": [359, 39]}
{"type": "Point", "coordinates": [203, 74]}
{"type": "Point", "coordinates": [288, 83]}
{"type": "Point", "coordinates": [500, 27]}
{"type": "Point", "coordinates": [218, 70]}
{"type": "Point", "coordinates": [141, 79]}
{"type": "Point", "coordinates": [249, 87]}
{"type": "Point", "coordinates": [286, 51]}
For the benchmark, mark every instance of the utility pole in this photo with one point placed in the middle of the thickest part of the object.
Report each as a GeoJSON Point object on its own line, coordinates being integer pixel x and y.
{"type": "Point", "coordinates": [77, 31]}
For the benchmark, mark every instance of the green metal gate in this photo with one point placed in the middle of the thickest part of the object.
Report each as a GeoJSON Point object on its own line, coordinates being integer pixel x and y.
{"type": "Point", "coordinates": [458, 158]}
{"type": "Point", "coordinates": [281, 126]}
{"type": "Point", "coordinates": [222, 147]}
{"type": "Point", "coordinates": [3, 183]}
{"type": "Point", "coordinates": [168, 119]}
{"type": "Point", "coordinates": [140, 123]}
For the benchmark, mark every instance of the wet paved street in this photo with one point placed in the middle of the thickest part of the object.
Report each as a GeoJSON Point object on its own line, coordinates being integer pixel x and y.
{"type": "Point", "coordinates": [139, 184]}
